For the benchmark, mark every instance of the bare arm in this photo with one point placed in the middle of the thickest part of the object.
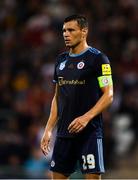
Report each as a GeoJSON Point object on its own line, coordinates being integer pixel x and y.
{"type": "Point", "coordinates": [53, 113]}
{"type": "Point", "coordinates": [106, 99]}
{"type": "Point", "coordinates": [50, 124]}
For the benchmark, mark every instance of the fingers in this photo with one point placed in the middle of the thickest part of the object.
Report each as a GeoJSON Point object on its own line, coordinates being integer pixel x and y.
{"type": "Point", "coordinates": [79, 129]}
{"type": "Point", "coordinates": [75, 127]}
{"type": "Point", "coordinates": [45, 147]}
{"type": "Point", "coordinates": [45, 151]}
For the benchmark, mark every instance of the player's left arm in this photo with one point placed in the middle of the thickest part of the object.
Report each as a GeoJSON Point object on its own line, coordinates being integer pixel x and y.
{"type": "Point", "coordinates": [104, 78]}
{"type": "Point", "coordinates": [80, 122]}
{"type": "Point", "coordinates": [105, 100]}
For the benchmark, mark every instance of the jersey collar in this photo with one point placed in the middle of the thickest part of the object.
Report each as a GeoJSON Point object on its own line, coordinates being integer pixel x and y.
{"type": "Point", "coordinates": [76, 55]}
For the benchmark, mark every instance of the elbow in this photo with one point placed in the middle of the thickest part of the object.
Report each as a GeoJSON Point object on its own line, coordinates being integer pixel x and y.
{"type": "Point", "coordinates": [108, 94]}
{"type": "Point", "coordinates": [110, 98]}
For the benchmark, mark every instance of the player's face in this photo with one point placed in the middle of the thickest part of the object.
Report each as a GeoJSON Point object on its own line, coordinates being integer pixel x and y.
{"type": "Point", "coordinates": [73, 34]}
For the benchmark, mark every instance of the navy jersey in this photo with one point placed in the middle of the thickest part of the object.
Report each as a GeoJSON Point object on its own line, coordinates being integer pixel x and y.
{"type": "Point", "coordinates": [79, 89]}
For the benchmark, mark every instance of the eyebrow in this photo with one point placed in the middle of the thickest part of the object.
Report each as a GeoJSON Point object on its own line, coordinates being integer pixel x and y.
{"type": "Point", "coordinates": [69, 29]}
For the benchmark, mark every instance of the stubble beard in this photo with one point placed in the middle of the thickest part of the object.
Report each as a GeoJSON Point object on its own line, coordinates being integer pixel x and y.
{"type": "Point", "coordinates": [73, 46]}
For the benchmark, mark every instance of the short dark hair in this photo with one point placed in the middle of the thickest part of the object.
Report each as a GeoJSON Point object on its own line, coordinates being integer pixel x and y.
{"type": "Point", "coordinates": [82, 20]}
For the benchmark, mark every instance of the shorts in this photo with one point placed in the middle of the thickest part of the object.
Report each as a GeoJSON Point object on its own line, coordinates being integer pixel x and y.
{"type": "Point", "coordinates": [87, 152]}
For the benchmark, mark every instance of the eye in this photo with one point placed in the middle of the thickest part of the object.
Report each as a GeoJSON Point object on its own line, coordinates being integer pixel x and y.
{"type": "Point", "coordinates": [63, 30]}
{"type": "Point", "coordinates": [71, 30]}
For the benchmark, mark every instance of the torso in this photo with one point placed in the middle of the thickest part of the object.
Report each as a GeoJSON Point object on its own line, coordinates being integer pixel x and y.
{"type": "Point", "coordinates": [78, 90]}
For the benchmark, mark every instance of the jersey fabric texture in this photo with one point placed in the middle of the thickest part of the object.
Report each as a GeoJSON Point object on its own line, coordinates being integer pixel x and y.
{"type": "Point", "coordinates": [77, 78]}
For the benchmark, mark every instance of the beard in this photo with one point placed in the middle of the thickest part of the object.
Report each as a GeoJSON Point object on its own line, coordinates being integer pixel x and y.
{"type": "Point", "coordinates": [72, 45]}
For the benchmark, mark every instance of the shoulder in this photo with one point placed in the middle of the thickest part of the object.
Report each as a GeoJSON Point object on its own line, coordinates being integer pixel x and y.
{"type": "Point", "coordinates": [94, 51]}
{"type": "Point", "coordinates": [100, 57]}
{"type": "Point", "coordinates": [62, 56]}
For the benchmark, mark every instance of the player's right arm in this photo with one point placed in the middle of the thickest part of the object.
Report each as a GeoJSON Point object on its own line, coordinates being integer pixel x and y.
{"type": "Point", "coordinates": [50, 124]}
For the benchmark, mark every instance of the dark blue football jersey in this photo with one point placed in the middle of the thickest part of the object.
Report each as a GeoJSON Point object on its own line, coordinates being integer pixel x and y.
{"type": "Point", "coordinates": [79, 90]}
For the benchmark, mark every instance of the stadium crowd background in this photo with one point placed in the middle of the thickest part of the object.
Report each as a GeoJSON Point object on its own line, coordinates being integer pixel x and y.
{"type": "Point", "coordinates": [30, 39]}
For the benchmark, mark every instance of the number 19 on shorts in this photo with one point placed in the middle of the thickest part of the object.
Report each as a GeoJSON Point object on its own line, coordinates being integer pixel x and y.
{"type": "Point", "coordinates": [88, 161]}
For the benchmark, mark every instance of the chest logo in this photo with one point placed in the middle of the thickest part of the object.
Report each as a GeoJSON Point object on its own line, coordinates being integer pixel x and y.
{"type": "Point", "coordinates": [80, 65]}
{"type": "Point", "coordinates": [62, 65]}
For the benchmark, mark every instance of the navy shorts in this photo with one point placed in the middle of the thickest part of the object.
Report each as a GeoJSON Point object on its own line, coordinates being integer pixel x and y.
{"type": "Point", "coordinates": [69, 151]}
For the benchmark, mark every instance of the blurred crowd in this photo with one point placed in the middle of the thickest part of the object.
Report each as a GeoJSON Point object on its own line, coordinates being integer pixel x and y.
{"type": "Point", "coordinates": [30, 40]}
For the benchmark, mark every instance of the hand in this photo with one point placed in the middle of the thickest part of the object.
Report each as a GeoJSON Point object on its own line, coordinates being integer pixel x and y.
{"type": "Point", "coordinates": [45, 143]}
{"type": "Point", "coordinates": [78, 124]}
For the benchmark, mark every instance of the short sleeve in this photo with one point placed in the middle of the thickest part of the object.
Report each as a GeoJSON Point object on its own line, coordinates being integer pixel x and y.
{"type": "Point", "coordinates": [61, 57]}
{"type": "Point", "coordinates": [102, 65]}
{"type": "Point", "coordinates": [103, 71]}
{"type": "Point", "coordinates": [55, 78]}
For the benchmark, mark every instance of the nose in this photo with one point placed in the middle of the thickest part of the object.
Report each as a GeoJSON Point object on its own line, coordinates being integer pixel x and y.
{"type": "Point", "coordinates": [66, 34]}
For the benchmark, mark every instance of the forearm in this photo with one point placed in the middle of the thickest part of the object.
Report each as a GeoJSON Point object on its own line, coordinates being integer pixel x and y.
{"type": "Point", "coordinates": [53, 114]}
{"type": "Point", "coordinates": [50, 124]}
{"type": "Point", "coordinates": [52, 117]}
{"type": "Point", "coordinates": [105, 100]}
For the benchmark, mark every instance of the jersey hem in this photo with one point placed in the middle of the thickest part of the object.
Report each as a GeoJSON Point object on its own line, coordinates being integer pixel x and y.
{"type": "Point", "coordinates": [77, 135]}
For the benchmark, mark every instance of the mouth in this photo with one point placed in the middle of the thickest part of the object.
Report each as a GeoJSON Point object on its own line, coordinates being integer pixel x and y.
{"type": "Point", "coordinates": [66, 40]}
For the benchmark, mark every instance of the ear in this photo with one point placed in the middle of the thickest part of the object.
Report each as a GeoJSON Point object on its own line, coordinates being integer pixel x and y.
{"type": "Point", "coordinates": [85, 32]}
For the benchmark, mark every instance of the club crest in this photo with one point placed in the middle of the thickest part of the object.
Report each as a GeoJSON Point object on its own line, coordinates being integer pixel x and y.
{"type": "Point", "coordinates": [105, 81]}
{"type": "Point", "coordinates": [52, 163]}
{"type": "Point", "coordinates": [80, 65]}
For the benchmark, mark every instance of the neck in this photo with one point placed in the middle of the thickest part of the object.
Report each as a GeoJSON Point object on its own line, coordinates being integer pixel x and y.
{"type": "Point", "coordinates": [79, 48]}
